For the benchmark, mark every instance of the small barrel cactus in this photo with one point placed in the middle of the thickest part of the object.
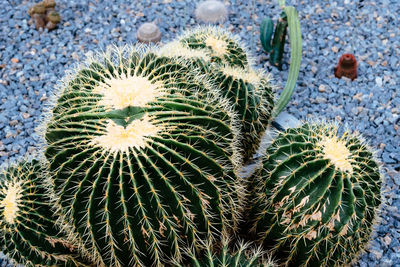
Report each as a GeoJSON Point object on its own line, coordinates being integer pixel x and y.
{"type": "Point", "coordinates": [220, 45]}
{"type": "Point", "coordinates": [319, 196]}
{"type": "Point", "coordinates": [143, 165]}
{"type": "Point", "coordinates": [241, 256]}
{"type": "Point", "coordinates": [28, 232]}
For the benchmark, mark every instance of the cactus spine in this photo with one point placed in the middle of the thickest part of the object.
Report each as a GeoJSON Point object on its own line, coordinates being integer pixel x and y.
{"type": "Point", "coordinates": [240, 256]}
{"type": "Point", "coordinates": [319, 198]}
{"type": "Point", "coordinates": [29, 235]}
{"type": "Point", "coordinates": [143, 165]}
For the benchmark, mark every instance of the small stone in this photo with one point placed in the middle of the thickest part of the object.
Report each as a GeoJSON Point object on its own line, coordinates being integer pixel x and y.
{"type": "Point", "coordinates": [14, 60]}
{"type": "Point", "coordinates": [335, 49]}
{"type": "Point", "coordinates": [387, 240]}
{"type": "Point", "coordinates": [2, 66]}
{"type": "Point", "coordinates": [321, 88]}
{"type": "Point", "coordinates": [378, 254]}
{"type": "Point", "coordinates": [3, 154]}
{"type": "Point", "coordinates": [25, 115]}
{"type": "Point", "coordinates": [149, 33]}
{"type": "Point", "coordinates": [314, 69]}
{"type": "Point", "coordinates": [8, 135]}
{"type": "Point", "coordinates": [43, 98]}
{"type": "Point", "coordinates": [211, 11]}
{"type": "Point", "coordinates": [75, 56]}
{"type": "Point", "coordinates": [379, 81]}
{"type": "Point", "coordinates": [13, 122]}
{"type": "Point", "coordinates": [320, 100]}
{"type": "Point", "coordinates": [358, 97]}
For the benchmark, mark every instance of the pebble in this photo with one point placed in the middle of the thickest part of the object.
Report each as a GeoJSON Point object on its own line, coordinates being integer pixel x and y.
{"type": "Point", "coordinates": [13, 122]}
{"type": "Point", "coordinates": [379, 81]}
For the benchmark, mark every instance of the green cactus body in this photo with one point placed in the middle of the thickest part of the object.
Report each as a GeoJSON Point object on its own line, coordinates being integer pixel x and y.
{"type": "Point", "coordinates": [220, 45]}
{"type": "Point", "coordinates": [249, 91]}
{"type": "Point", "coordinates": [251, 95]}
{"type": "Point", "coordinates": [29, 235]}
{"type": "Point", "coordinates": [242, 256]}
{"type": "Point", "coordinates": [143, 165]}
{"type": "Point", "coordinates": [319, 198]}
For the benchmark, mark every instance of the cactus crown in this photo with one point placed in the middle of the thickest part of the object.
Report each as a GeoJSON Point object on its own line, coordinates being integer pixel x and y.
{"type": "Point", "coordinates": [177, 49]}
{"type": "Point", "coordinates": [336, 151]}
{"type": "Point", "coordinates": [221, 45]}
{"type": "Point", "coordinates": [12, 191]}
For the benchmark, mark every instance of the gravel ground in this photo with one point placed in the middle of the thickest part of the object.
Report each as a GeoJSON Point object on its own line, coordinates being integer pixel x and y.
{"type": "Point", "coordinates": [32, 61]}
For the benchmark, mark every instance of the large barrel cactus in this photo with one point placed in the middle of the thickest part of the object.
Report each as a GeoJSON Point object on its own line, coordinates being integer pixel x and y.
{"type": "Point", "coordinates": [220, 45]}
{"type": "Point", "coordinates": [319, 198]}
{"type": "Point", "coordinates": [28, 232]}
{"type": "Point", "coordinates": [143, 164]}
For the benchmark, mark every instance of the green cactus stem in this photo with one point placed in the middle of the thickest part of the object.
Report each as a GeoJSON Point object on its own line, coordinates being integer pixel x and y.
{"type": "Point", "coordinates": [219, 44]}
{"type": "Point", "coordinates": [28, 232]}
{"type": "Point", "coordinates": [278, 42]}
{"type": "Point", "coordinates": [143, 164]}
{"type": "Point", "coordinates": [266, 32]}
{"type": "Point", "coordinates": [319, 196]}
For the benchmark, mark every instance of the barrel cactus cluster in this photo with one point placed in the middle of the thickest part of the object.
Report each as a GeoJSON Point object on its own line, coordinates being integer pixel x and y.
{"type": "Point", "coordinates": [142, 153]}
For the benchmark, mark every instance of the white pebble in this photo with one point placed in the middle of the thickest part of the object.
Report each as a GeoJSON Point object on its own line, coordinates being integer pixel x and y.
{"type": "Point", "coordinates": [211, 11]}
{"type": "Point", "coordinates": [379, 81]}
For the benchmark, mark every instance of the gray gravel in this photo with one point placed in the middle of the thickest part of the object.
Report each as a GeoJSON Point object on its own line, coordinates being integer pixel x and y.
{"type": "Point", "coordinates": [31, 62]}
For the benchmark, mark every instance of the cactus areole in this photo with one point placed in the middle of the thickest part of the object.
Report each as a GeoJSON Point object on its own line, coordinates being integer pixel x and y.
{"type": "Point", "coordinates": [142, 168]}
{"type": "Point", "coordinates": [320, 196]}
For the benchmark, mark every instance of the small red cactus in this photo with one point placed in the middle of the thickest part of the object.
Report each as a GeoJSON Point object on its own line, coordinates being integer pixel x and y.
{"type": "Point", "coordinates": [346, 67]}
